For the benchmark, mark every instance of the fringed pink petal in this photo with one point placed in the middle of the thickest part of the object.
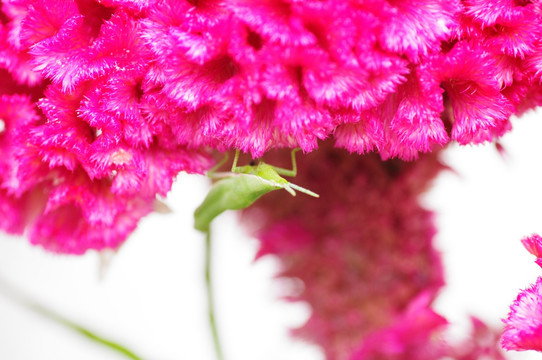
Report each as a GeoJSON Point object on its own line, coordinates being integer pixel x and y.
{"type": "Point", "coordinates": [65, 230]}
{"type": "Point", "coordinates": [413, 116]}
{"type": "Point", "coordinates": [533, 62]}
{"type": "Point", "coordinates": [363, 136]}
{"type": "Point", "coordinates": [533, 244]}
{"type": "Point", "coordinates": [63, 139]}
{"type": "Point", "coordinates": [15, 59]}
{"type": "Point", "coordinates": [82, 50]}
{"type": "Point", "coordinates": [192, 85]}
{"type": "Point", "coordinates": [119, 48]}
{"type": "Point", "coordinates": [114, 105]}
{"type": "Point", "coordinates": [45, 19]}
{"type": "Point", "coordinates": [277, 21]}
{"type": "Point", "coordinates": [134, 5]}
{"type": "Point", "coordinates": [193, 129]}
{"type": "Point", "coordinates": [488, 13]}
{"type": "Point", "coordinates": [416, 28]}
{"type": "Point", "coordinates": [105, 161]}
{"type": "Point", "coordinates": [62, 58]}
{"type": "Point", "coordinates": [479, 111]}
{"type": "Point", "coordinates": [515, 36]}
{"type": "Point", "coordinates": [336, 86]}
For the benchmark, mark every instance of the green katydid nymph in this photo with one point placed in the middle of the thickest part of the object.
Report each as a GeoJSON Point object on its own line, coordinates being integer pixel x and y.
{"type": "Point", "coordinates": [241, 187]}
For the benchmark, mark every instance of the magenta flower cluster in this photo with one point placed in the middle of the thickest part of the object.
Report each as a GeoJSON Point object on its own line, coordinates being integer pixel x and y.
{"type": "Point", "coordinates": [105, 101]}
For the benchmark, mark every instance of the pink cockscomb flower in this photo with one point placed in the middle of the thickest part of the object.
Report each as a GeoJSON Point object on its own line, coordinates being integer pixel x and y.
{"type": "Point", "coordinates": [256, 75]}
{"type": "Point", "coordinates": [83, 163]}
{"type": "Point", "coordinates": [364, 251]}
{"type": "Point", "coordinates": [130, 92]}
{"type": "Point", "coordinates": [523, 329]}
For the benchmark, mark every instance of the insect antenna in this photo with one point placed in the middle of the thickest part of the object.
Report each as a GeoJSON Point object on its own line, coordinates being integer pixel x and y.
{"type": "Point", "coordinates": [303, 190]}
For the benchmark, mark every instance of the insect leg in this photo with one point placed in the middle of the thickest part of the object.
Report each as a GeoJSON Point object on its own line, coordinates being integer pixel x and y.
{"type": "Point", "coordinates": [286, 172]}
{"type": "Point", "coordinates": [234, 167]}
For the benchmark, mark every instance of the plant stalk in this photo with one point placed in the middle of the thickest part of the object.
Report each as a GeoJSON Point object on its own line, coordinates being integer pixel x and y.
{"type": "Point", "coordinates": [210, 299]}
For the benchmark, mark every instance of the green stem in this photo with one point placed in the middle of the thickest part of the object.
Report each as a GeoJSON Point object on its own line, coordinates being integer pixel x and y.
{"type": "Point", "coordinates": [21, 299]}
{"type": "Point", "coordinates": [210, 302]}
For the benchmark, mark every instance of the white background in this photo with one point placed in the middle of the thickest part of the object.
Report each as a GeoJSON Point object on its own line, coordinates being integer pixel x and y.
{"type": "Point", "coordinates": [152, 297]}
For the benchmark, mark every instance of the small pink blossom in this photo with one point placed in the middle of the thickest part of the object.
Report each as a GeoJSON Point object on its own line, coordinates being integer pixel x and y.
{"type": "Point", "coordinates": [533, 244]}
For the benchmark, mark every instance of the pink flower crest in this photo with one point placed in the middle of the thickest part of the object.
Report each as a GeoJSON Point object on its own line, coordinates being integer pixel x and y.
{"type": "Point", "coordinates": [130, 92]}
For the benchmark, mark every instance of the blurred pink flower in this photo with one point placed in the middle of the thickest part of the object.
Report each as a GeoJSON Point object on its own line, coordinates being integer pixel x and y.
{"type": "Point", "coordinates": [363, 251]}
{"type": "Point", "coordinates": [363, 258]}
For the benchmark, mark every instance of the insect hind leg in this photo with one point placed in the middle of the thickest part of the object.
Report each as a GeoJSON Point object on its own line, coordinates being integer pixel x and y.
{"type": "Point", "coordinates": [287, 172]}
{"type": "Point", "coordinates": [234, 167]}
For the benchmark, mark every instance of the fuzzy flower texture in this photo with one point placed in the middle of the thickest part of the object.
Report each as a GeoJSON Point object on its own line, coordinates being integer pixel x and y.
{"type": "Point", "coordinates": [104, 102]}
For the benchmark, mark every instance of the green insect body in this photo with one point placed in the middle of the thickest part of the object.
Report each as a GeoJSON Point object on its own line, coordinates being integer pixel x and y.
{"type": "Point", "coordinates": [242, 187]}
